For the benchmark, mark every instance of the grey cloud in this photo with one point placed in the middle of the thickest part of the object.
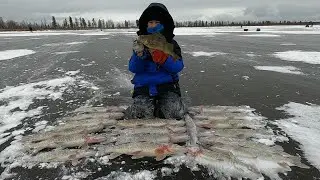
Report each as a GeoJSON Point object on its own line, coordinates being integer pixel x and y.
{"type": "Point", "coordinates": [251, 9]}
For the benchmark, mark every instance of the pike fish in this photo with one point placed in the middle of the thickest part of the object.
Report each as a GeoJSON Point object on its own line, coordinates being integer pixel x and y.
{"type": "Point", "coordinates": [159, 42]}
{"type": "Point", "coordinates": [150, 123]}
{"type": "Point", "coordinates": [74, 140]}
{"type": "Point", "coordinates": [220, 109]}
{"type": "Point", "coordinates": [103, 116]}
{"type": "Point", "coordinates": [86, 122]}
{"type": "Point", "coordinates": [63, 131]}
{"type": "Point", "coordinates": [86, 109]}
{"type": "Point", "coordinates": [153, 138]}
{"type": "Point", "coordinates": [229, 124]}
{"type": "Point", "coordinates": [151, 130]}
{"type": "Point", "coordinates": [143, 149]}
{"type": "Point", "coordinates": [224, 164]}
{"type": "Point", "coordinates": [62, 155]}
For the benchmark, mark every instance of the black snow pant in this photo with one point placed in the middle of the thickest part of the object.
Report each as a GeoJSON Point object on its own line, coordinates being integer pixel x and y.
{"type": "Point", "coordinates": [166, 105]}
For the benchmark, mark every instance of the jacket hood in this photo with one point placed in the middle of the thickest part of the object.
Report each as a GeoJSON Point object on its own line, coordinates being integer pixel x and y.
{"type": "Point", "coordinates": [157, 11]}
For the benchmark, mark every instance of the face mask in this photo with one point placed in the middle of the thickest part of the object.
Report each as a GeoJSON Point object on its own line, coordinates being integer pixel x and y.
{"type": "Point", "coordinates": [157, 28]}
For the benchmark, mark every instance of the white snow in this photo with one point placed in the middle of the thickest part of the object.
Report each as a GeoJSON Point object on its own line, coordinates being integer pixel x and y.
{"type": "Point", "coordinates": [196, 31]}
{"type": "Point", "coordinates": [39, 126]}
{"type": "Point", "coordinates": [260, 35]}
{"type": "Point", "coordinates": [10, 54]}
{"type": "Point", "coordinates": [63, 44]}
{"type": "Point", "coordinates": [202, 71]}
{"type": "Point", "coordinates": [141, 175]}
{"type": "Point", "coordinates": [267, 142]}
{"type": "Point", "coordinates": [166, 171]}
{"type": "Point", "coordinates": [310, 57]}
{"type": "Point", "coordinates": [72, 73]}
{"type": "Point", "coordinates": [209, 54]}
{"type": "Point", "coordinates": [280, 69]}
{"type": "Point", "coordinates": [76, 43]}
{"type": "Point", "coordinates": [304, 127]}
{"type": "Point", "coordinates": [65, 52]}
{"type": "Point", "coordinates": [104, 38]}
{"type": "Point", "coordinates": [288, 44]}
{"type": "Point", "coordinates": [246, 78]}
{"type": "Point", "coordinates": [22, 97]}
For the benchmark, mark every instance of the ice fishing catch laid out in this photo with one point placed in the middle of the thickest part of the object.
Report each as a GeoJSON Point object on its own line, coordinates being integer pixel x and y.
{"type": "Point", "coordinates": [229, 141]}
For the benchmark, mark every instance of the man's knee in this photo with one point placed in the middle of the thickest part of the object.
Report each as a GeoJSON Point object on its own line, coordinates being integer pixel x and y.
{"type": "Point", "coordinates": [172, 106]}
{"type": "Point", "coordinates": [142, 107]}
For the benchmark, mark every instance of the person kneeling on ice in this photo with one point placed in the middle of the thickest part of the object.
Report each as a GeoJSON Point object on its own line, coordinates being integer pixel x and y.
{"type": "Point", "coordinates": [156, 82]}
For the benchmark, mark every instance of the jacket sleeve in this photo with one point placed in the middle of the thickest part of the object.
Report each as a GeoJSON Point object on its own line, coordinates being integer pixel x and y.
{"type": "Point", "coordinates": [136, 64]}
{"type": "Point", "coordinates": [171, 65]}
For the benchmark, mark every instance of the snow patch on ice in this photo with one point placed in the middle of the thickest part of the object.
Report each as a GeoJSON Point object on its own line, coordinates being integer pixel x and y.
{"type": "Point", "coordinates": [63, 44]}
{"type": "Point", "coordinates": [141, 175]}
{"type": "Point", "coordinates": [40, 126]}
{"type": "Point", "coordinates": [196, 31]}
{"type": "Point", "coordinates": [166, 171]}
{"type": "Point", "coordinates": [310, 57]}
{"type": "Point", "coordinates": [104, 38]}
{"type": "Point", "coordinates": [10, 54]}
{"type": "Point", "coordinates": [304, 127]}
{"type": "Point", "coordinates": [246, 78]}
{"type": "Point", "coordinates": [260, 35]}
{"type": "Point", "coordinates": [65, 52]}
{"type": "Point", "coordinates": [209, 54]}
{"type": "Point", "coordinates": [288, 44]}
{"type": "Point", "coordinates": [280, 69]}
{"type": "Point", "coordinates": [72, 73]}
{"type": "Point", "coordinates": [76, 43]}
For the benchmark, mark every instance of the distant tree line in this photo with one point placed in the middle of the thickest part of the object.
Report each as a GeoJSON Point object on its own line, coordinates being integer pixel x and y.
{"type": "Point", "coordinates": [75, 23]}
{"type": "Point", "coordinates": [200, 23]}
{"type": "Point", "coordinates": [67, 24]}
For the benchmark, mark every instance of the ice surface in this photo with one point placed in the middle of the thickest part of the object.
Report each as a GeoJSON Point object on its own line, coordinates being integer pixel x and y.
{"type": "Point", "coordinates": [304, 127]}
{"type": "Point", "coordinates": [65, 52]}
{"type": "Point", "coordinates": [281, 69]}
{"type": "Point", "coordinates": [10, 54]}
{"type": "Point", "coordinates": [141, 175]}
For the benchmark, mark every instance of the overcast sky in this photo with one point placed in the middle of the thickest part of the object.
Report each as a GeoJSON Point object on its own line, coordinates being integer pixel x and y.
{"type": "Point", "coordinates": [234, 10]}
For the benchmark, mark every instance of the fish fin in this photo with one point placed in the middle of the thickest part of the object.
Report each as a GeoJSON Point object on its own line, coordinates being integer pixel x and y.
{"type": "Point", "coordinates": [114, 155]}
{"type": "Point", "coordinates": [160, 157]}
{"type": "Point", "coordinates": [137, 157]}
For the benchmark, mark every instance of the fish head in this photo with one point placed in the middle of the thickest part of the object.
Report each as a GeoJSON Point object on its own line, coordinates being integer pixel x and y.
{"type": "Point", "coordinates": [153, 41]}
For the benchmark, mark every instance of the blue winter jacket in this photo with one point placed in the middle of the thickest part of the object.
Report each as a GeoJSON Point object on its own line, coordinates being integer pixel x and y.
{"type": "Point", "coordinates": [149, 74]}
